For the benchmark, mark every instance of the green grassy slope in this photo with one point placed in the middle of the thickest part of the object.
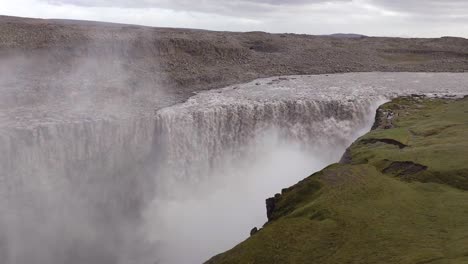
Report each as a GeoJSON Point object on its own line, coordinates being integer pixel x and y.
{"type": "Point", "coordinates": [399, 196]}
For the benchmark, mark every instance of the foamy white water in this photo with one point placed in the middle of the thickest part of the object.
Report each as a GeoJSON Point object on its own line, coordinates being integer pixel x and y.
{"type": "Point", "coordinates": [185, 183]}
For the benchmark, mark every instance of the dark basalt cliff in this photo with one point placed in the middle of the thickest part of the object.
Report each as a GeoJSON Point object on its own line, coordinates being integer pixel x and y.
{"type": "Point", "coordinates": [383, 203]}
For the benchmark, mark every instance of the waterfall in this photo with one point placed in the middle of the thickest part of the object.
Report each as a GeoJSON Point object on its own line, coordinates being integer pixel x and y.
{"type": "Point", "coordinates": [185, 183]}
{"type": "Point", "coordinates": [226, 159]}
{"type": "Point", "coordinates": [197, 141]}
{"type": "Point", "coordinates": [73, 190]}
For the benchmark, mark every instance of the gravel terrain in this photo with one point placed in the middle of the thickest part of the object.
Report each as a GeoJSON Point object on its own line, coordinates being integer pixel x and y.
{"type": "Point", "coordinates": [127, 58]}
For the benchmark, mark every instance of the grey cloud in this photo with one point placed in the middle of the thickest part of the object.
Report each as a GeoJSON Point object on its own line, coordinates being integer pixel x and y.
{"type": "Point", "coordinates": [440, 7]}
{"type": "Point", "coordinates": [185, 3]}
{"type": "Point", "coordinates": [206, 6]}
{"type": "Point", "coordinates": [370, 17]}
{"type": "Point", "coordinates": [262, 7]}
{"type": "Point", "coordinates": [178, 4]}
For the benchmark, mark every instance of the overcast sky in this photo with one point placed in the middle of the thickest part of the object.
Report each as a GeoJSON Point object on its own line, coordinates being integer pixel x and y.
{"type": "Point", "coordinates": [404, 18]}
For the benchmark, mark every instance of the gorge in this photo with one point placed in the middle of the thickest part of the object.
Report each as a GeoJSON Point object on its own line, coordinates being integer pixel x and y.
{"type": "Point", "coordinates": [118, 144]}
{"type": "Point", "coordinates": [120, 187]}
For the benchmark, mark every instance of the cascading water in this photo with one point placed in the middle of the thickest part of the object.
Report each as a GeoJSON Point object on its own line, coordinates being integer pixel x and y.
{"type": "Point", "coordinates": [70, 191]}
{"type": "Point", "coordinates": [183, 184]}
{"type": "Point", "coordinates": [198, 139]}
{"type": "Point", "coordinates": [222, 159]}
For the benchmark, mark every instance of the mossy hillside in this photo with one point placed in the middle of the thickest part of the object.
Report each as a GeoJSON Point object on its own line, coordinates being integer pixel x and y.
{"type": "Point", "coordinates": [356, 213]}
{"type": "Point", "coordinates": [435, 135]}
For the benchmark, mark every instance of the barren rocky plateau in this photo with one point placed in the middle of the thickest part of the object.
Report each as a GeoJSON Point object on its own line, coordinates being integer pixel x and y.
{"type": "Point", "coordinates": [187, 60]}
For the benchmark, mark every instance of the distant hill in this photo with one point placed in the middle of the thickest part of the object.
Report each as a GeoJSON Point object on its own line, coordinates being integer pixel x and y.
{"type": "Point", "coordinates": [347, 35]}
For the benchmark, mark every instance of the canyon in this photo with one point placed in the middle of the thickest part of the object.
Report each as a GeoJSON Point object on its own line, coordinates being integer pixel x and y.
{"type": "Point", "coordinates": [126, 144]}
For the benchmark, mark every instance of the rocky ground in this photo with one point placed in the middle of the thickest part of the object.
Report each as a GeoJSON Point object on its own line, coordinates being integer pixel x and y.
{"type": "Point", "coordinates": [186, 60]}
{"type": "Point", "coordinates": [397, 196]}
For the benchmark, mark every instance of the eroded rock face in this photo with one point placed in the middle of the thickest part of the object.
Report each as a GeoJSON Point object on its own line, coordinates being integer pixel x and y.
{"type": "Point", "coordinates": [271, 205]}
{"type": "Point", "coordinates": [383, 119]}
{"type": "Point", "coordinates": [384, 140]}
{"type": "Point", "coordinates": [404, 168]}
{"type": "Point", "coordinates": [253, 231]}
